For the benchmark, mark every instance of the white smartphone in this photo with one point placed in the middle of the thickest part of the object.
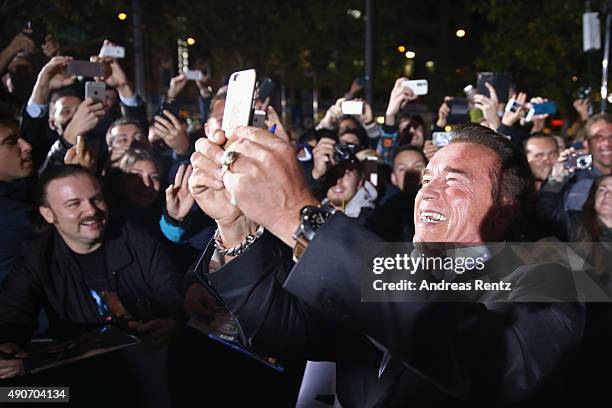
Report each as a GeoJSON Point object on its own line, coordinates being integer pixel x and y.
{"type": "Point", "coordinates": [239, 101]}
{"type": "Point", "coordinates": [95, 90]}
{"type": "Point", "coordinates": [114, 51]}
{"type": "Point", "coordinates": [418, 86]}
{"type": "Point", "coordinates": [194, 74]}
{"type": "Point", "coordinates": [352, 108]}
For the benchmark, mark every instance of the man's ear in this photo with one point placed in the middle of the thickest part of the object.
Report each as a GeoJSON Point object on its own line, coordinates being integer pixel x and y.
{"type": "Point", "coordinates": [47, 214]}
{"type": "Point", "coordinates": [206, 129]}
{"type": "Point", "coordinates": [585, 145]}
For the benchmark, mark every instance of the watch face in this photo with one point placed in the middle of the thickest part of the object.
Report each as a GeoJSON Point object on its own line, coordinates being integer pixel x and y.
{"type": "Point", "coordinates": [317, 219]}
{"type": "Point", "coordinates": [313, 219]}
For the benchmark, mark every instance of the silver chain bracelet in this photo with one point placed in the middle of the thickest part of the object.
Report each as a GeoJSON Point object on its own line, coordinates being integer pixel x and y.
{"type": "Point", "coordinates": [246, 243]}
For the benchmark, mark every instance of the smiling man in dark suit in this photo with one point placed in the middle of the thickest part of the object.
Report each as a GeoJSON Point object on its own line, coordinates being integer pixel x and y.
{"type": "Point", "coordinates": [414, 353]}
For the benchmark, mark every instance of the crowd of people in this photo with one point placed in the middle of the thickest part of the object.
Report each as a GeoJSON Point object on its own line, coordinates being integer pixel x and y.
{"type": "Point", "coordinates": [105, 211]}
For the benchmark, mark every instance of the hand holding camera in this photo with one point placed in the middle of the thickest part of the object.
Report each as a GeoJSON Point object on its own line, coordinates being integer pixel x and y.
{"type": "Point", "coordinates": [568, 162]}
{"type": "Point", "coordinates": [323, 154]}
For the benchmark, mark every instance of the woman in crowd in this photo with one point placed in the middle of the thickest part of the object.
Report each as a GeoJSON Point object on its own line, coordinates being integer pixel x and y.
{"type": "Point", "coordinates": [135, 186]}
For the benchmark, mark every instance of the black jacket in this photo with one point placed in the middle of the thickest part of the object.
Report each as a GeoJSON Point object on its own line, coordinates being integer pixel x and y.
{"type": "Point", "coordinates": [15, 225]}
{"type": "Point", "coordinates": [48, 277]}
{"type": "Point", "coordinates": [441, 353]}
{"type": "Point", "coordinates": [567, 225]}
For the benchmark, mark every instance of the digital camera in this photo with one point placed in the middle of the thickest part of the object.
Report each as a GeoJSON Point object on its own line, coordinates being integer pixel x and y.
{"type": "Point", "coordinates": [581, 161]}
{"type": "Point", "coordinates": [345, 153]}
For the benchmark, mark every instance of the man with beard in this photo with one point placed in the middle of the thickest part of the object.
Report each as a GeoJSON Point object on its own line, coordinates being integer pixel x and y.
{"type": "Point", "coordinates": [83, 265]}
{"type": "Point", "coordinates": [542, 153]}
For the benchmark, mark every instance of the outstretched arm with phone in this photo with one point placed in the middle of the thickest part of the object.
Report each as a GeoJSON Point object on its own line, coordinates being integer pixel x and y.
{"type": "Point", "coordinates": [400, 95]}
{"type": "Point", "coordinates": [52, 76]}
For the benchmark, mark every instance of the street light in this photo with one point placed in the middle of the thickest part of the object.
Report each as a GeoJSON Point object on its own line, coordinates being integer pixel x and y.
{"type": "Point", "coordinates": [460, 33]}
{"type": "Point", "coordinates": [410, 54]}
{"type": "Point", "coordinates": [401, 49]}
{"type": "Point", "coordinates": [191, 40]}
{"type": "Point", "coordinates": [122, 16]}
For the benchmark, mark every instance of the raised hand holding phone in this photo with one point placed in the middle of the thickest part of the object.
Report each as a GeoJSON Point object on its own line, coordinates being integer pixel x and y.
{"type": "Point", "coordinates": [239, 101]}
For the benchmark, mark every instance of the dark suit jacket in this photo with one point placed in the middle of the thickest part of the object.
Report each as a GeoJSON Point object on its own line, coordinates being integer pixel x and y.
{"type": "Point", "coordinates": [460, 354]}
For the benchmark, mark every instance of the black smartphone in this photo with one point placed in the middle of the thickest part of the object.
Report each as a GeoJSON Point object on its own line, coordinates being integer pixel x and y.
{"type": "Point", "coordinates": [499, 80]}
{"type": "Point", "coordinates": [38, 32]}
{"type": "Point", "coordinates": [171, 107]}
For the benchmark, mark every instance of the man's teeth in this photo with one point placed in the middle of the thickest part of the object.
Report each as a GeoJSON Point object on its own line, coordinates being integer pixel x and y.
{"type": "Point", "coordinates": [432, 217]}
{"type": "Point", "coordinates": [89, 222]}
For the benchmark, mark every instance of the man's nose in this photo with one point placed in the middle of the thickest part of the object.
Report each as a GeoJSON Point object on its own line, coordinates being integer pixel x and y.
{"type": "Point", "coordinates": [430, 190]}
{"type": "Point", "coordinates": [547, 160]}
{"type": "Point", "coordinates": [24, 145]}
{"type": "Point", "coordinates": [90, 207]}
